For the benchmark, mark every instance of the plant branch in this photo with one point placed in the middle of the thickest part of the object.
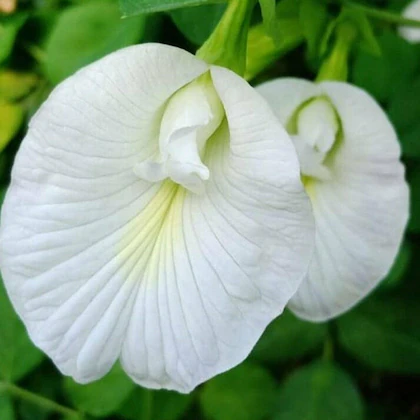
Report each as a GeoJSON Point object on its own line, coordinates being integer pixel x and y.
{"type": "Point", "coordinates": [39, 400]}
{"type": "Point", "coordinates": [382, 15]}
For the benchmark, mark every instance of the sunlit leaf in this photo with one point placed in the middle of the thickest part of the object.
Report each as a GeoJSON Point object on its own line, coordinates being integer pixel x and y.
{"type": "Point", "coordinates": [87, 32]}
{"type": "Point", "coordinates": [9, 27]}
{"type": "Point", "coordinates": [15, 85]}
{"type": "Point", "coordinates": [11, 117]}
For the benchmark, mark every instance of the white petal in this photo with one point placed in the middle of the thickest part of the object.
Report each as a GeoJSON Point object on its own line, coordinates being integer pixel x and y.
{"type": "Point", "coordinates": [412, 11]}
{"type": "Point", "coordinates": [360, 212]}
{"type": "Point", "coordinates": [318, 125]}
{"type": "Point", "coordinates": [102, 265]}
{"type": "Point", "coordinates": [72, 196]}
{"type": "Point", "coordinates": [287, 94]}
{"type": "Point", "coordinates": [232, 258]}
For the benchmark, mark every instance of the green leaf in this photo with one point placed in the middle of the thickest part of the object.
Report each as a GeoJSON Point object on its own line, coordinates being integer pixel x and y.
{"type": "Point", "coordinates": [383, 333]}
{"type": "Point", "coordinates": [319, 391]}
{"type": "Point", "coordinates": [313, 18]}
{"type": "Point", "coordinates": [14, 86]}
{"type": "Point", "coordinates": [268, 12]}
{"type": "Point", "coordinates": [414, 181]}
{"type": "Point", "coordinates": [18, 356]}
{"type": "Point", "coordinates": [367, 38]}
{"type": "Point", "coordinates": [289, 338]}
{"type": "Point", "coordinates": [9, 28]}
{"type": "Point", "coordinates": [144, 404]}
{"type": "Point", "coordinates": [103, 397]}
{"type": "Point", "coordinates": [11, 117]}
{"type": "Point", "coordinates": [380, 76]}
{"type": "Point", "coordinates": [399, 268]}
{"type": "Point", "coordinates": [136, 7]}
{"type": "Point", "coordinates": [404, 111]}
{"type": "Point", "coordinates": [44, 382]}
{"type": "Point", "coordinates": [197, 23]}
{"type": "Point", "coordinates": [244, 393]}
{"type": "Point", "coordinates": [6, 408]}
{"type": "Point", "coordinates": [85, 33]}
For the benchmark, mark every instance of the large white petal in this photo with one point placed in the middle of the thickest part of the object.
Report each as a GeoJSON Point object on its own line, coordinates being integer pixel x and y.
{"type": "Point", "coordinates": [412, 11]}
{"type": "Point", "coordinates": [229, 260]}
{"type": "Point", "coordinates": [102, 265]}
{"type": "Point", "coordinates": [72, 196]}
{"type": "Point", "coordinates": [360, 213]}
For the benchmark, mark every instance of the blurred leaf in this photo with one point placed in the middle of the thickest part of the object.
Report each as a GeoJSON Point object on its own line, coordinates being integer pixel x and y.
{"type": "Point", "coordinates": [164, 405]}
{"type": "Point", "coordinates": [262, 50]}
{"type": "Point", "coordinates": [136, 7]}
{"type": "Point", "coordinates": [9, 27]}
{"type": "Point", "coordinates": [18, 356]}
{"type": "Point", "coordinates": [85, 33]}
{"type": "Point", "coordinates": [399, 267]}
{"type": "Point", "coordinates": [414, 182]}
{"type": "Point", "coordinates": [14, 86]}
{"type": "Point", "coordinates": [313, 18]}
{"type": "Point", "coordinates": [197, 23]}
{"type": "Point", "coordinates": [380, 76]}
{"type": "Point", "coordinates": [289, 338]}
{"type": "Point", "coordinates": [44, 381]}
{"type": "Point", "coordinates": [268, 12]}
{"type": "Point", "coordinates": [169, 405]}
{"type": "Point", "coordinates": [319, 391]}
{"type": "Point", "coordinates": [6, 408]}
{"type": "Point", "coordinates": [366, 38]}
{"type": "Point", "coordinates": [383, 333]}
{"type": "Point", "coordinates": [11, 117]}
{"type": "Point", "coordinates": [404, 112]}
{"type": "Point", "coordinates": [246, 392]}
{"type": "Point", "coordinates": [102, 397]}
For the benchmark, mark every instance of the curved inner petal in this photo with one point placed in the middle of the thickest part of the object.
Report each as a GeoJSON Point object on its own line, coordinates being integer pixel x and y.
{"type": "Point", "coordinates": [317, 127]}
{"type": "Point", "coordinates": [191, 116]}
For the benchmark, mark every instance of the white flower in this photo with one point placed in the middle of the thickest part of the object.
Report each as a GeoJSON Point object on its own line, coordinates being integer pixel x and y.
{"type": "Point", "coordinates": [412, 11]}
{"type": "Point", "coordinates": [156, 216]}
{"type": "Point", "coordinates": [349, 156]}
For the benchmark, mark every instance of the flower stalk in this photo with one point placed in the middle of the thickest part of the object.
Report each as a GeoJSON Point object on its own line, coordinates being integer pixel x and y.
{"type": "Point", "coordinates": [335, 67]}
{"type": "Point", "coordinates": [227, 45]}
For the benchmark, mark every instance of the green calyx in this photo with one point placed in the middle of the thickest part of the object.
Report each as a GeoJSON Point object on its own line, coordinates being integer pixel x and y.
{"type": "Point", "coordinates": [335, 67]}
{"type": "Point", "coordinates": [227, 45]}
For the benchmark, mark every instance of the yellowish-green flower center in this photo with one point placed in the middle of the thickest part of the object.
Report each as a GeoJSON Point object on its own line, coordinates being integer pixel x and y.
{"type": "Point", "coordinates": [315, 130]}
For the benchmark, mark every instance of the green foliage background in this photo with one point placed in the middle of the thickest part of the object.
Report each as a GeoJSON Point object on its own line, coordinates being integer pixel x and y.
{"type": "Point", "coordinates": [365, 364]}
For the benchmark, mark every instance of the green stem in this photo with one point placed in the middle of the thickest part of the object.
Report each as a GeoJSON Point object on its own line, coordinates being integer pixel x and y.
{"type": "Point", "coordinates": [39, 400]}
{"type": "Point", "coordinates": [383, 15]}
{"type": "Point", "coordinates": [328, 351]}
{"type": "Point", "coordinates": [226, 46]}
{"type": "Point", "coordinates": [147, 412]}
